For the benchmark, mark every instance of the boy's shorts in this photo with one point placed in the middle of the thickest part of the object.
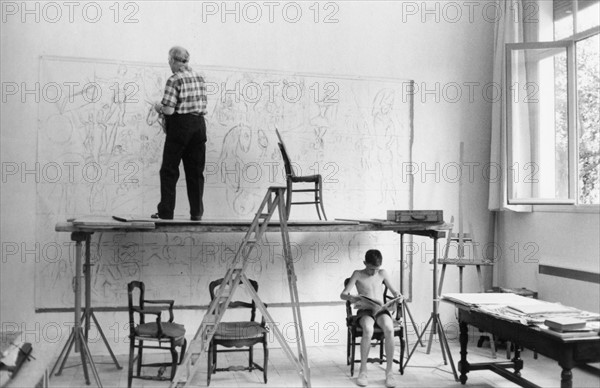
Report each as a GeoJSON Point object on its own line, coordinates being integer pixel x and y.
{"type": "Point", "coordinates": [368, 312]}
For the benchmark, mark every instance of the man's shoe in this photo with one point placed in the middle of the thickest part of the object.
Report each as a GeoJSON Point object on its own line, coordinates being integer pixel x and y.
{"type": "Point", "coordinates": [362, 380]}
{"type": "Point", "coordinates": [390, 382]}
{"type": "Point", "coordinates": [196, 218]}
{"type": "Point", "coordinates": [156, 216]}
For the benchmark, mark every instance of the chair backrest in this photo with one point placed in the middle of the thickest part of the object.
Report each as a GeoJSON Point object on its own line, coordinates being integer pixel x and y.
{"type": "Point", "coordinates": [289, 171]}
{"type": "Point", "coordinates": [212, 288]}
{"type": "Point", "coordinates": [348, 304]}
{"type": "Point", "coordinates": [131, 290]}
{"type": "Point", "coordinates": [287, 163]}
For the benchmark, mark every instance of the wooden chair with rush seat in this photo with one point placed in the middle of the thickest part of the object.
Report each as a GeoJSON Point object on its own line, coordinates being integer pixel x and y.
{"type": "Point", "coordinates": [152, 335]}
{"type": "Point", "coordinates": [292, 178]}
{"type": "Point", "coordinates": [355, 332]}
{"type": "Point", "coordinates": [238, 334]}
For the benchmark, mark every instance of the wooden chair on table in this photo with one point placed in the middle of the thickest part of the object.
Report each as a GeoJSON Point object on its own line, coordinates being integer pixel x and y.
{"type": "Point", "coordinates": [155, 334]}
{"type": "Point", "coordinates": [238, 334]}
{"type": "Point", "coordinates": [355, 332]}
{"type": "Point", "coordinates": [292, 178]}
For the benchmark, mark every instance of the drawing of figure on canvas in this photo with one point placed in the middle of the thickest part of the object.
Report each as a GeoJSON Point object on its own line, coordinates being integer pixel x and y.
{"type": "Point", "coordinates": [384, 128]}
{"type": "Point", "coordinates": [324, 120]}
{"type": "Point", "coordinates": [235, 156]}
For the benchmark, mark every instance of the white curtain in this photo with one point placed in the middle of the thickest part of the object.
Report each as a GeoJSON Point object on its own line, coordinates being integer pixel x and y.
{"type": "Point", "coordinates": [508, 29]}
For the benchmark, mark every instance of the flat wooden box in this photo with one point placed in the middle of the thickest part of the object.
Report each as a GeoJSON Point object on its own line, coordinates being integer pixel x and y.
{"type": "Point", "coordinates": [415, 216]}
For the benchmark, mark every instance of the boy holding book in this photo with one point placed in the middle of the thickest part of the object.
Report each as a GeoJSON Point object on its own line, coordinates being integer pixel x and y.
{"type": "Point", "coordinates": [368, 282]}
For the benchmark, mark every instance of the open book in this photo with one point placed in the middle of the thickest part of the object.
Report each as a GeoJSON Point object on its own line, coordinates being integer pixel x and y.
{"type": "Point", "coordinates": [376, 305]}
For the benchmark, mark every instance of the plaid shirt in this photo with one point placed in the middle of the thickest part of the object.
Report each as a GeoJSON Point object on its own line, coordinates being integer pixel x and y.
{"type": "Point", "coordinates": [185, 91]}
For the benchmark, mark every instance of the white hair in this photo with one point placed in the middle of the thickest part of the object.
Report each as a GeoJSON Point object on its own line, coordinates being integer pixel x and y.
{"type": "Point", "coordinates": [180, 55]}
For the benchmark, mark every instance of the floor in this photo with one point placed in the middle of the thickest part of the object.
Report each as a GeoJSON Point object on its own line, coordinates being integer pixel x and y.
{"type": "Point", "coordinates": [329, 369]}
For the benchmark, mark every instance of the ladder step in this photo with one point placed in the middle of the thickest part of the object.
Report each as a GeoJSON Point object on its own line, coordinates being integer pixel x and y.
{"type": "Point", "coordinates": [465, 237]}
{"type": "Point", "coordinates": [303, 203]}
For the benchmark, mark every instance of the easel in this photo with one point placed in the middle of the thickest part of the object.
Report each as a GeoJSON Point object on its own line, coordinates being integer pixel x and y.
{"type": "Point", "coordinates": [405, 310]}
{"type": "Point", "coordinates": [462, 238]}
{"type": "Point", "coordinates": [235, 275]}
{"type": "Point", "coordinates": [77, 336]}
{"type": "Point", "coordinates": [434, 319]}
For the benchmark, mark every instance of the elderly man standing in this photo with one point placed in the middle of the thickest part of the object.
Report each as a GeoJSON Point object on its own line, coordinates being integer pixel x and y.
{"type": "Point", "coordinates": [183, 106]}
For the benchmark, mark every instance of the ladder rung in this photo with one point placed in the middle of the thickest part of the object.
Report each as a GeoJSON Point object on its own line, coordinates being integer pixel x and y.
{"type": "Point", "coordinates": [304, 203]}
{"type": "Point", "coordinates": [305, 190]}
{"type": "Point", "coordinates": [464, 236]}
{"type": "Point", "coordinates": [467, 239]}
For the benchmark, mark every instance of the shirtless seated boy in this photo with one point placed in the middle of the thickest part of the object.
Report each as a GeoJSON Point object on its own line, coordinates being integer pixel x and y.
{"type": "Point", "coordinates": [368, 282]}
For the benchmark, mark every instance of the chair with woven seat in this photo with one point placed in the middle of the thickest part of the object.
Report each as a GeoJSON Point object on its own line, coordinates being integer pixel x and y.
{"type": "Point", "coordinates": [355, 331]}
{"type": "Point", "coordinates": [152, 335]}
{"type": "Point", "coordinates": [292, 178]}
{"type": "Point", "coordinates": [234, 335]}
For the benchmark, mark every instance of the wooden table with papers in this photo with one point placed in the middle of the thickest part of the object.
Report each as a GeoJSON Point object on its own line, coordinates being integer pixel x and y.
{"type": "Point", "coordinates": [520, 320]}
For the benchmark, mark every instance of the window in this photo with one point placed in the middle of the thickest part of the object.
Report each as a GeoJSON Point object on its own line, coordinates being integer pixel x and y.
{"type": "Point", "coordinates": [553, 110]}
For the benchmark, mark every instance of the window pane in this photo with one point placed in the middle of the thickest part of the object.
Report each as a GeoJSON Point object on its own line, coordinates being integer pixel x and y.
{"type": "Point", "coordinates": [538, 138]}
{"type": "Point", "coordinates": [563, 19]}
{"type": "Point", "coordinates": [588, 106]}
{"type": "Point", "coordinates": [588, 14]}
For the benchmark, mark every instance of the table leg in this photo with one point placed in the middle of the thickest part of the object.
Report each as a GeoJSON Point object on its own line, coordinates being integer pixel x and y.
{"type": "Point", "coordinates": [566, 378]}
{"type": "Point", "coordinates": [517, 361]}
{"type": "Point", "coordinates": [463, 364]}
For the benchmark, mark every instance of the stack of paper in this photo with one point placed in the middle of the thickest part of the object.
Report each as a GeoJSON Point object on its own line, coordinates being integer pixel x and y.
{"type": "Point", "coordinates": [541, 308]}
{"type": "Point", "coordinates": [488, 298]}
{"type": "Point", "coordinates": [564, 324]}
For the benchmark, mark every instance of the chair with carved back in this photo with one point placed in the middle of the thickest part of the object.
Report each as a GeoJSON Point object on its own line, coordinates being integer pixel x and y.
{"type": "Point", "coordinates": [238, 336]}
{"type": "Point", "coordinates": [152, 334]}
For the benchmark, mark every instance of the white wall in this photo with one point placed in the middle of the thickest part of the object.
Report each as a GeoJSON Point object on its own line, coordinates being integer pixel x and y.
{"type": "Point", "coordinates": [444, 53]}
{"type": "Point", "coordinates": [567, 240]}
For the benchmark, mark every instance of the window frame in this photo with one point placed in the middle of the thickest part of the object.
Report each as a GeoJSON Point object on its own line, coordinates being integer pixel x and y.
{"type": "Point", "coordinates": [572, 204]}
{"type": "Point", "coordinates": [569, 46]}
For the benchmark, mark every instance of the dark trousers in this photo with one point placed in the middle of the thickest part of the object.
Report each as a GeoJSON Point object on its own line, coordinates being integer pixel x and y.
{"type": "Point", "coordinates": [186, 140]}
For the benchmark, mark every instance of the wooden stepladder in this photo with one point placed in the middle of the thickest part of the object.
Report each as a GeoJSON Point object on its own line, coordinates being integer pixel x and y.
{"type": "Point", "coordinates": [235, 274]}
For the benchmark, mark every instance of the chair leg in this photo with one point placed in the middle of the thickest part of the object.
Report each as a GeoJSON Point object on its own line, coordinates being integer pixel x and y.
{"type": "Point", "coordinates": [402, 345]}
{"type": "Point", "coordinates": [321, 200]}
{"type": "Point", "coordinates": [131, 357]}
{"type": "Point", "coordinates": [348, 340]}
{"type": "Point", "coordinates": [174, 359]}
{"type": "Point", "coordinates": [251, 358]}
{"type": "Point", "coordinates": [209, 364]}
{"type": "Point", "coordinates": [265, 359]}
{"type": "Point", "coordinates": [317, 199]}
{"type": "Point", "coordinates": [183, 350]}
{"type": "Point", "coordinates": [352, 351]}
{"type": "Point", "coordinates": [139, 360]}
{"type": "Point", "coordinates": [381, 341]}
